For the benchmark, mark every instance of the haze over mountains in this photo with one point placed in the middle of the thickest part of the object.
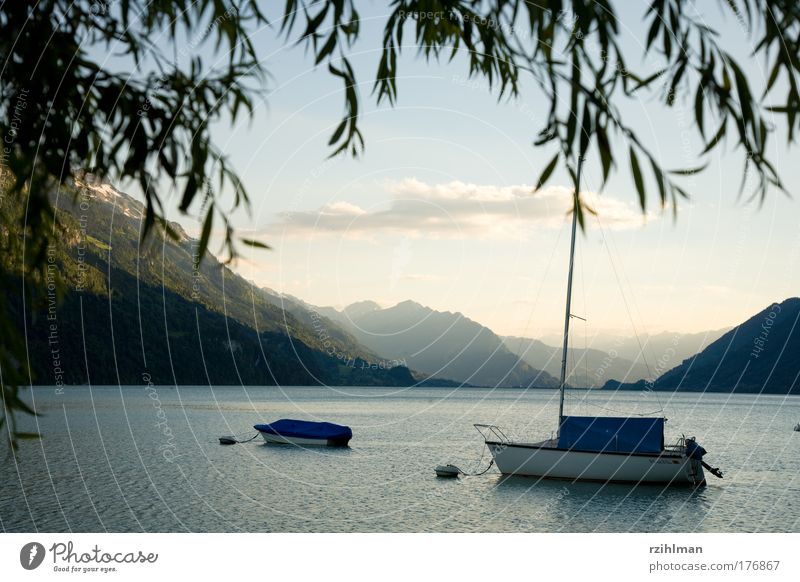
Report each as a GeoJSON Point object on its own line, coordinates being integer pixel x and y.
{"type": "Point", "coordinates": [760, 355]}
{"type": "Point", "coordinates": [441, 344]}
{"type": "Point", "coordinates": [587, 368]}
{"type": "Point", "coordinates": [134, 311]}
{"type": "Point", "coordinates": [594, 360]}
{"type": "Point", "coordinates": [679, 345]}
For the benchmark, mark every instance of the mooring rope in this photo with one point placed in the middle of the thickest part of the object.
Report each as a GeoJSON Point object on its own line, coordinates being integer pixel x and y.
{"type": "Point", "coordinates": [448, 470]}
{"type": "Point", "coordinates": [477, 474]}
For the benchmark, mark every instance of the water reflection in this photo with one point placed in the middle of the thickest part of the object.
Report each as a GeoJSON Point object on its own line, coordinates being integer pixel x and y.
{"type": "Point", "coordinates": [583, 506]}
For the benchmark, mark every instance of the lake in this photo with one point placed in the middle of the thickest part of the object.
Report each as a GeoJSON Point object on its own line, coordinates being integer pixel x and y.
{"type": "Point", "coordinates": [147, 458]}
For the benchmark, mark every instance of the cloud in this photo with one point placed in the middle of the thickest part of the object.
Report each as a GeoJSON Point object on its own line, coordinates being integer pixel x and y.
{"type": "Point", "coordinates": [422, 277]}
{"type": "Point", "coordinates": [459, 210]}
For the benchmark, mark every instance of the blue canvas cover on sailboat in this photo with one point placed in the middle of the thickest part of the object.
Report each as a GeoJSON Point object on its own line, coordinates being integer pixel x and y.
{"type": "Point", "coordinates": [306, 429]}
{"type": "Point", "coordinates": [612, 434]}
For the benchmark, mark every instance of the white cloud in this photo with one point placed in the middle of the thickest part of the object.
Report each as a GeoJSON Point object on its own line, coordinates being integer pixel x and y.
{"type": "Point", "coordinates": [457, 209]}
{"type": "Point", "coordinates": [425, 277]}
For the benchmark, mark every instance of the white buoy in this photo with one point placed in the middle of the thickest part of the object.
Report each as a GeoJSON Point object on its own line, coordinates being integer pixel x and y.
{"type": "Point", "coordinates": [447, 471]}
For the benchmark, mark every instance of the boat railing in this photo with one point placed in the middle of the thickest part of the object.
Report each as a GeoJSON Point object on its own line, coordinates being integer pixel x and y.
{"type": "Point", "coordinates": [490, 430]}
{"type": "Point", "coordinates": [678, 447]}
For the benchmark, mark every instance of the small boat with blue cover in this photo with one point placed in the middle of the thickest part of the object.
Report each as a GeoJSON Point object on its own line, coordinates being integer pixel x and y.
{"type": "Point", "coordinates": [305, 432]}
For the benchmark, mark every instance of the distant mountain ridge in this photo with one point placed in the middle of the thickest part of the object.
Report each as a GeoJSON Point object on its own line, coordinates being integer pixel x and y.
{"type": "Point", "coordinates": [677, 345]}
{"type": "Point", "coordinates": [760, 355]}
{"type": "Point", "coordinates": [442, 344]}
{"type": "Point", "coordinates": [589, 368]}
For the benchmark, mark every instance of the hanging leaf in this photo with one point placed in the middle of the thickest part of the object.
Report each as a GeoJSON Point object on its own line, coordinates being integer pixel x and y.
{"type": "Point", "coordinates": [717, 136]}
{"type": "Point", "coordinates": [255, 244]}
{"type": "Point", "coordinates": [206, 233]}
{"type": "Point", "coordinates": [546, 173]}
{"type": "Point", "coordinates": [637, 177]}
{"type": "Point", "coordinates": [604, 149]}
{"type": "Point", "coordinates": [660, 181]}
{"type": "Point", "coordinates": [689, 171]}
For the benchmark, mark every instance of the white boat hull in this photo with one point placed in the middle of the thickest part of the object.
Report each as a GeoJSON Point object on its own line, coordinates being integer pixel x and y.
{"type": "Point", "coordinates": [548, 462]}
{"type": "Point", "coordinates": [305, 442]}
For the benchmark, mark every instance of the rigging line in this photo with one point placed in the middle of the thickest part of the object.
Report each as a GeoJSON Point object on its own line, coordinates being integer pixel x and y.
{"type": "Point", "coordinates": [585, 320]}
{"type": "Point", "coordinates": [625, 302]}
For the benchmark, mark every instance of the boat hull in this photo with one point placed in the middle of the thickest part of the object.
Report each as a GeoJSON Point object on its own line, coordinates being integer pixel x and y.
{"type": "Point", "coordinates": [302, 441]}
{"type": "Point", "coordinates": [549, 462]}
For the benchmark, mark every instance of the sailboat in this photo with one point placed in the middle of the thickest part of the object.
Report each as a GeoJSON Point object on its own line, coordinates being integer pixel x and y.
{"type": "Point", "coordinates": [598, 448]}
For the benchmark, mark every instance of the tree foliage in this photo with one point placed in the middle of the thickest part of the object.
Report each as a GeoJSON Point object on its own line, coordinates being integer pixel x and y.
{"type": "Point", "coordinates": [571, 49]}
{"type": "Point", "coordinates": [65, 110]}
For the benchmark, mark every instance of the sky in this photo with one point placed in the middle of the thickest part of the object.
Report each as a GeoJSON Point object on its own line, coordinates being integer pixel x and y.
{"type": "Point", "coordinates": [440, 207]}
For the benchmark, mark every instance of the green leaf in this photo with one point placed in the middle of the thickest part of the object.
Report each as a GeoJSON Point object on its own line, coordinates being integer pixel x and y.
{"type": "Point", "coordinates": [698, 109]}
{"type": "Point", "coordinates": [676, 79]}
{"type": "Point", "coordinates": [338, 133]}
{"type": "Point", "coordinates": [717, 136]}
{"type": "Point", "coordinates": [743, 90]}
{"type": "Point", "coordinates": [327, 48]}
{"type": "Point", "coordinates": [637, 177]}
{"type": "Point", "coordinates": [660, 181]}
{"type": "Point", "coordinates": [546, 173]}
{"type": "Point", "coordinates": [189, 192]}
{"type": "Point", "coordinates": [577, 206]}
{"type": "Point", "coordinates": [689, 171]}
{"type": "Point", "coordinates": [206, 233]}
{"type": "Point", "coordinates": [256, 244]}
{"type": "Point", "coordinates": [773, 76]}
{"type": "Point", "coordinates": [27, 435]}
{"type": "Point", "coordinates": [586, 129]}
{"type": "Point", "coordinates": [312, 24]}
{"type": "Point", "coordinates": [653, 32]}
{"type": "Point", "coordinates": [604, 147]}
{"type": "Point", "coordinates": [647, 81]}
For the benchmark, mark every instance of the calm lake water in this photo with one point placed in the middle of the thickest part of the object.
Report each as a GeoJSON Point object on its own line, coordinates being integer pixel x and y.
{"type": "Point", "coordinates": [147, 459]}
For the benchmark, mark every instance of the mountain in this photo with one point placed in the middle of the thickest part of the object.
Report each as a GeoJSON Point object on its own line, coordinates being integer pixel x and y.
{"type": "Point", "coordinates": [133, 311]}
{"type": "Point", "coordinates": [588, 368]}
{"type": "Point", "coordinates": [658, 347]}
{"type": "Point", "coordinates": [760, 355]}
{"type": "Point", "coordinates": [360, 308]}
{"type": "Point", "coordinates": [331, 334]}
{"type": "Point", "coordinates": [441, 344]}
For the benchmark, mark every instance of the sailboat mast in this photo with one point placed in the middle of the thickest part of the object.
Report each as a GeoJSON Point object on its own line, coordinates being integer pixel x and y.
{"type": "Point", "coordinates": [567, 315]}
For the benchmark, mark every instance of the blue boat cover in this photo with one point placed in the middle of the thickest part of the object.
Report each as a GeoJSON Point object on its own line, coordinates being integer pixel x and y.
{"type": "Point", "coordinates": [306, 429]}
{"type": "Point", "coordinates": [612, 434]}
